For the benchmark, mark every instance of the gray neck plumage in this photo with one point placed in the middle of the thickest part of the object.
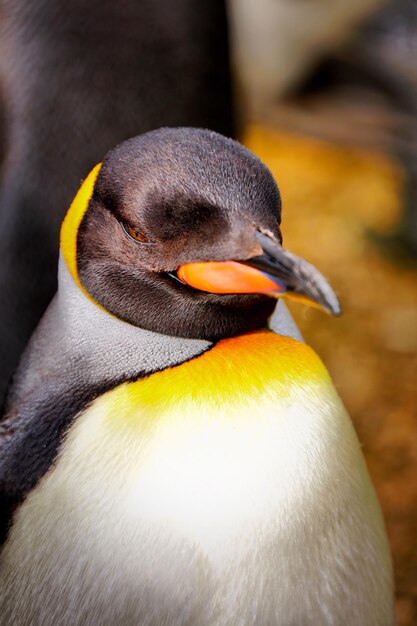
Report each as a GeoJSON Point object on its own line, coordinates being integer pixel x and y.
{"type": "Point", "coordinates": [81, 345]}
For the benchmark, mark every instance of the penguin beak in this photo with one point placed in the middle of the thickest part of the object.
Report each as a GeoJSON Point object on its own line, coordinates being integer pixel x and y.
{"type": "Point", "coordinates": [277, 273]}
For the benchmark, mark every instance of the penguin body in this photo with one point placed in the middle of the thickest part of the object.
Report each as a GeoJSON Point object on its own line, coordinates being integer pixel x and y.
{"type": "Point", "coordinates": [182, 516]}
{"type": "Point", "coordinates": [183, 480]}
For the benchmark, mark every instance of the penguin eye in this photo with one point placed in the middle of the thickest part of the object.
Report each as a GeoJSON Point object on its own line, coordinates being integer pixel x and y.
{"type": "Point", "coordinates": [135, 234]}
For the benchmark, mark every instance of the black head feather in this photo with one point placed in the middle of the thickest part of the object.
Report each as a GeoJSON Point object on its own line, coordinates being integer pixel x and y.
{"type": "Point", "coordinates": [193, 195]}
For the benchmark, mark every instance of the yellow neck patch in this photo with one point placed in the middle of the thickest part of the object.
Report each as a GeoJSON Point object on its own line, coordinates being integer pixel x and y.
{"type": "Point", "coordinates": [234, 369]}
{"type": "Point", "coordinates": [72, 221]}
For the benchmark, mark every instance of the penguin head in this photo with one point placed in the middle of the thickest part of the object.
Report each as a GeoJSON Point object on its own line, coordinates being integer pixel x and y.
{"type": "Point", "coordinates": [178, 232]}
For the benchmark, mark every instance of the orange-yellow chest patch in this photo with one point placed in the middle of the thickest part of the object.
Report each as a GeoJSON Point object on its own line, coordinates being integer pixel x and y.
{"type": "Point", "coordinates": [236, 371]}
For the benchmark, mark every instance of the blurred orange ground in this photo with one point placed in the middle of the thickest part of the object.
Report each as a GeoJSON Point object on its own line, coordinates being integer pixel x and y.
{"type": "Point", "coordinates": [335, 200]}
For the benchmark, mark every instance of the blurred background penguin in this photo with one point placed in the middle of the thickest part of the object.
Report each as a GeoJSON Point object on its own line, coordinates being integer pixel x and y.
{"type": "Point", "coordinates": [325, 91]}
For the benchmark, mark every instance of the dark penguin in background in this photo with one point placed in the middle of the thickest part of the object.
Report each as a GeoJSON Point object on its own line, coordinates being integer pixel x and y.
{"type": "Point", "coordinates": [76, 79]}
{"type": "Point", "coordinates": [165, 458]}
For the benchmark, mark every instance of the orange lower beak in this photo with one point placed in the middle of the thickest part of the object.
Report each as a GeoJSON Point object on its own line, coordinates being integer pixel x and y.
{"type": "Point", "coordinates": [227, 277]}
{"type": "Point", "coordinates": [276, 273]}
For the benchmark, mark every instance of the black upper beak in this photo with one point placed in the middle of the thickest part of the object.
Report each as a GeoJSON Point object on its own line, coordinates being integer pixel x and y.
{"type": "Point", "coordinates": [294, 275]}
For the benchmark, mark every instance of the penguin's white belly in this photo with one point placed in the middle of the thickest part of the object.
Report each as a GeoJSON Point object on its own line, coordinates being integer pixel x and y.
{"type": "Point", "coordinates": [241, 508]}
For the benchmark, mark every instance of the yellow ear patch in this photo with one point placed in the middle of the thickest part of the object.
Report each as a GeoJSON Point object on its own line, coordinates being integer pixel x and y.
{"type": "Point", "coordinates": [72, 221]}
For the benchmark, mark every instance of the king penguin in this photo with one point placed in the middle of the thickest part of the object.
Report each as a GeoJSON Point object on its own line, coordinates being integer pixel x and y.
{"type": "Point", "coordinates": [167, 459]}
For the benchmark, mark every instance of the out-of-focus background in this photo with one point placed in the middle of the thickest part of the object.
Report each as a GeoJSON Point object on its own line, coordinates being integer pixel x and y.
{"type": "Point", "coordinates": [325, 92]}
{"type": "Point", "coordinates": [338, 128]}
